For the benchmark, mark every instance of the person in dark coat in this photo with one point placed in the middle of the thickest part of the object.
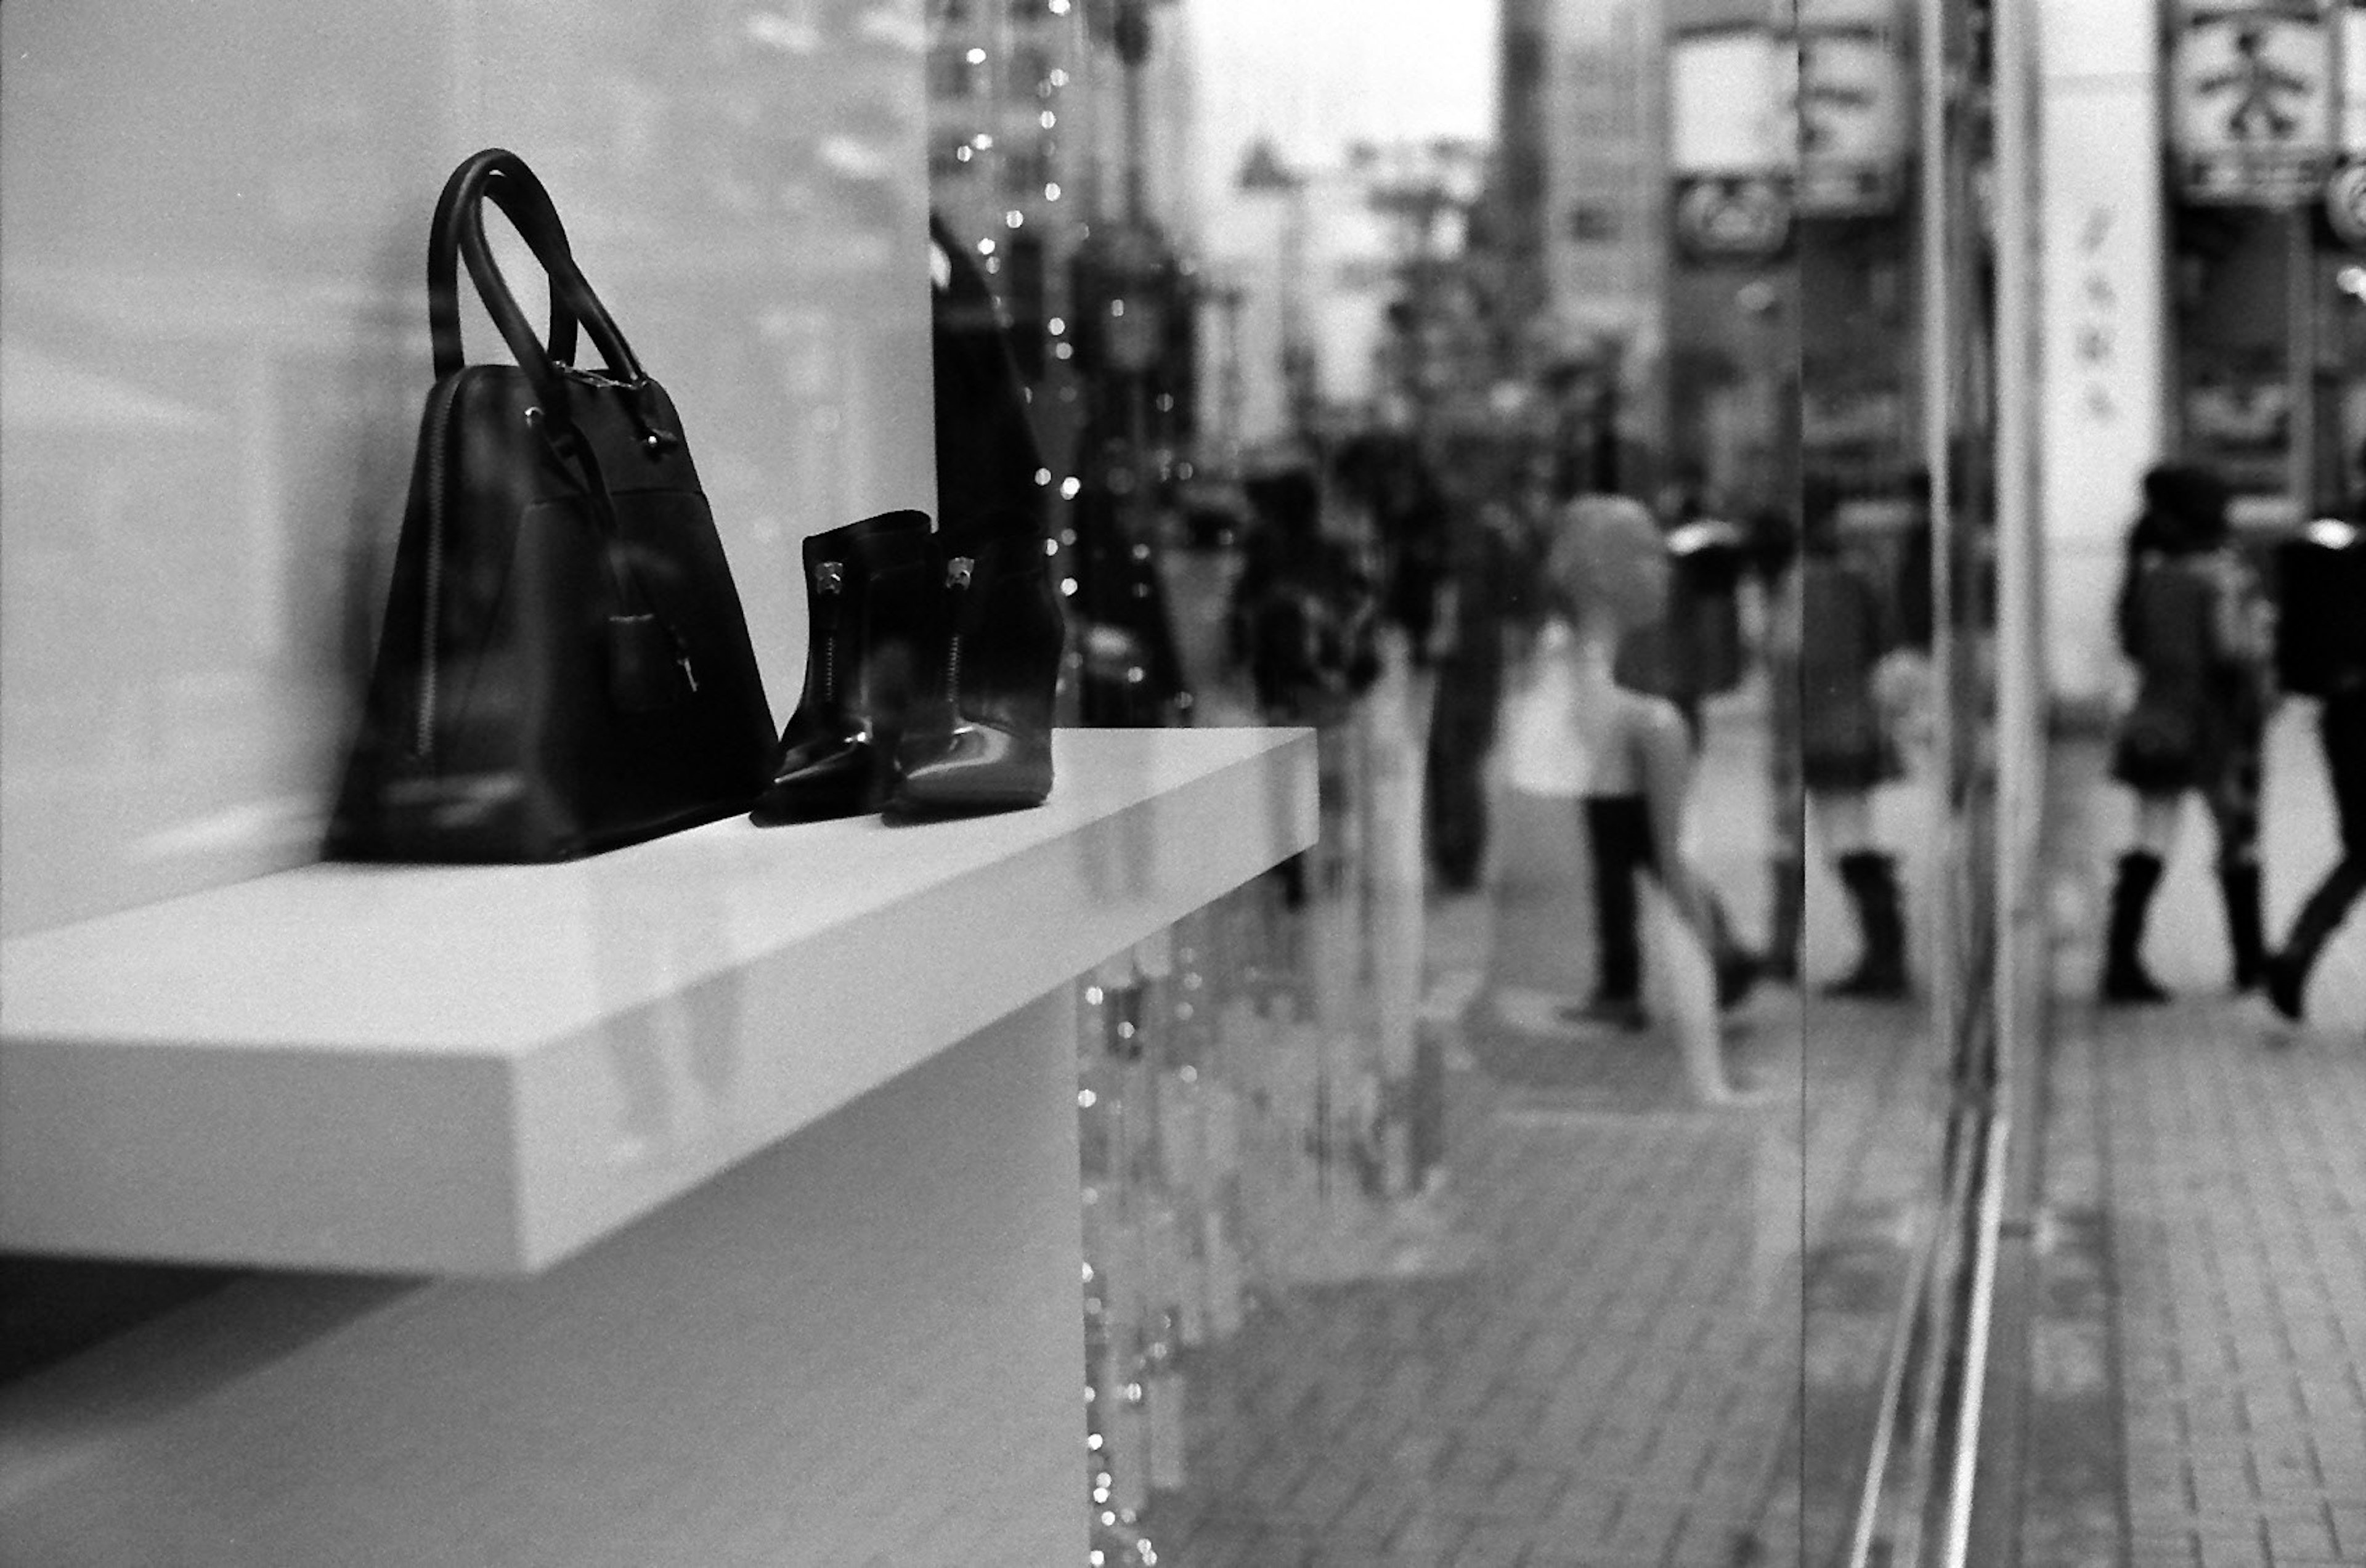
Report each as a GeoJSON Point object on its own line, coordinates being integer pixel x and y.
{"type": "Point", "coordinates": [2322, 652]}
{"type": "Point", "coordinates": [1301, 620]}
{"type": "Point", "coordinates": [2192, 619]}
{"type": "Point", "coordinates": [1773, 547]}
{"type": "Point", "coordinates": [1131, 676]}
{"type": "Point", "coordinates": [1840, 628]}
{"type": "Point", "coordinates": [1490, 577]}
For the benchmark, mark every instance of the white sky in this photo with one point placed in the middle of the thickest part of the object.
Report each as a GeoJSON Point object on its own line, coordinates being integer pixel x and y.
{"type": "Point", "coordinates": [1315, 74]}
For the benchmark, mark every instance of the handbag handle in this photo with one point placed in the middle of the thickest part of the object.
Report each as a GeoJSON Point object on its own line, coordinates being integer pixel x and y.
{"type": "Point", "coordinates": [530, 210]}
{"type": "Point", "coordinates": [459, 228]}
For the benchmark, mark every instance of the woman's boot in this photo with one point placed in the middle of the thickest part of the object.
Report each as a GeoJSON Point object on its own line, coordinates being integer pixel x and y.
{"type": "Point", "coordinates": [2125, 977]}
{"type": "Point", "coordinates": [869, 587]}
{"type": "Point", "coordinates": [981, 739]}
{"type": "Point", "coordinates": [2238, 889]}
{"type": "Point", "coordinates": [1871, 879]}
{"type": "Point", "coordinates": [1619, 853]}
{"type": "Point", "coordinates": [1736, 967]}
{"type": "Point", "coordinates": [1786, 891]}
{"type": "Point", "coordinates": [2319, 918]}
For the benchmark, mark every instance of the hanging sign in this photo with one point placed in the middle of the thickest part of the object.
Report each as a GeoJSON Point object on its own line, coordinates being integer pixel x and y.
{"type": "Point", "coordinates": [2238, 418]}
{"type": "Point", "coordinates": [1729, 102]}
{"type": "Point", "coordinates": [1735, 217]}
{"type": "Point", "coordinates": [1850, 107]}
{"type": "Point", "coordinates": [2350, 48]}
{"type": "Point", "coordinates": [2254, 99]}
{"type": "Point", "coordinates": [1733, 142]}
{"type": "Point", "coordinates": [2345, 203]}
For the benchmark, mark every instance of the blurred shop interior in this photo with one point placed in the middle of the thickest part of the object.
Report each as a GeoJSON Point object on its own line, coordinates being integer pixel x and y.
{"type": "Point", "coordinates": [1574, 998]}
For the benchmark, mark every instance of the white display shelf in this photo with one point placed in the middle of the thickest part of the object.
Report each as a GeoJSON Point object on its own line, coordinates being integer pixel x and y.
{"type": "Point", "coordinates": [485, 1069]}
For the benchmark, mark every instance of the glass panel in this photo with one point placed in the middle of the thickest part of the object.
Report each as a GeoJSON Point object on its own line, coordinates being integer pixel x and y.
{"type": "Point", "coordinates": [1891, 762]}
{"type": "Point", "coordinates": [1411, 1227]}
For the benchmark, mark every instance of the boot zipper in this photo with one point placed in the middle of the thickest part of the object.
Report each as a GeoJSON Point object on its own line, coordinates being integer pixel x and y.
{"type": "Point", "coordinates": [957, 574]}
{"type": "Point", "coordinates": [438, 422]}
{"type": "Point", "coordinates": [829, 585]}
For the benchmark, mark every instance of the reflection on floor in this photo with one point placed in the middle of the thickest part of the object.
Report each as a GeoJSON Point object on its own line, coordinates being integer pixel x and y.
{"type": "Point", "coordinates": [1436, 1279]}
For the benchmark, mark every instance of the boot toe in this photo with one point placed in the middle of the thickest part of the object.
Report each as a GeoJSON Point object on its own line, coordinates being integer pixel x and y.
{"type": "Point", "coordinates": [977, 767]}
{"type": "Point", "coordinates": [814, 783]}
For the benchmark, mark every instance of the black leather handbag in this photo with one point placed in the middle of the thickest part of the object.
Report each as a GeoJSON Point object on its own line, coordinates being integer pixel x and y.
{"type": "Point", "coordinates": [564, 665]}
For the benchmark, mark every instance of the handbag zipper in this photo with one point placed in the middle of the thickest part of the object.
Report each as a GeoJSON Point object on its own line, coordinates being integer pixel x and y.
{"type": "Point", "coordinates": [957, 575]}
{"type": "Point", "coordinates": [830, 584]}
{"type": "Point", "coordinates": [439, 420]}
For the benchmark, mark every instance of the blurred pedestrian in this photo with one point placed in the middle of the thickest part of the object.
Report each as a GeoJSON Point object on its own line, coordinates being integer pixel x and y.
{"type": "Point", "coordinates": [1393, 479]}
{"type": "Point", "coordinates": [1693, 651]}
{"type": "Point", "coordinates": [2197, 626]}
{"type": "Point", "coordinates": [1302, 620]}
{"type": "Point", "coordinates": [1844, 630]}
{"type": "Point", "coordinates": [1488, 587]}
{"type": "Point", "coordinates": [2321, 652]}
{"type": "Point", "coordinates": [1773, 542]}
{"type": "Point", "coordinates": [1132, 674]}
{"type": "Point", "coordinates": [1608, 569]}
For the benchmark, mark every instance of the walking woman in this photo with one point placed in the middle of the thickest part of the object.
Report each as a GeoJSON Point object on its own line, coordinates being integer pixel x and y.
{"type": "Point", "coordinates": [2321, 652]}
{"type": "Point", "coordinates": [2193, 618]}
{"type": "Point", "coordinates": [1842, 629]}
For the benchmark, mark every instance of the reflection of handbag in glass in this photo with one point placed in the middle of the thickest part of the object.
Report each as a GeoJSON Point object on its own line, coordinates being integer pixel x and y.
{"type": "Point", "coordinates": [564, 665]}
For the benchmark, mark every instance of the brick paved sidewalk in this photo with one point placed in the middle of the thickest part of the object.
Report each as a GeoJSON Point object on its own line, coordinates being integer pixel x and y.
{"type": "Point", "coordinates": [1665, 1346]}
{"type": "Point", "coordinates": [2225, 1176]}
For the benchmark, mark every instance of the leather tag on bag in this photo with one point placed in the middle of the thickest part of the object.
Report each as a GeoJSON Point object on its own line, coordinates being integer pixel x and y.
{"type": "Point", "coordinates": [647, 671]}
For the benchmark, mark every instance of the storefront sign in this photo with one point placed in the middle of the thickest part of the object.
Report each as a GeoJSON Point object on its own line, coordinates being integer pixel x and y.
{"type": "Point", "coordinates": [2097, 318]}
{"type": "Point", "coordinates": [1730, 103]}
{"type": "Point", "coordinates": [2254, 98]}
{"type": "Point", "coordinates": [1839, 419]}
{"type": "Point", "coordinates": [2351, 47]}
{"type": "Point", "coordinates": [1733, 142]}
{"type": "Point", "coordinates": [2345, 203]}
{"type": "Point", "coordinates": [1739, 217]}
{"type": "Point", "coordinates": [1850, 107]}
{"type": "Point", "coordinates": [2238, 419]}
{"type": "Point", "coordinates": [2103, 315]}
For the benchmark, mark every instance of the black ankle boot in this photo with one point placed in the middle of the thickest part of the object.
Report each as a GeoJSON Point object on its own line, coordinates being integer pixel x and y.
{"type": "Point", "coordinates": [1787, 894]}
{"type": "Point", "coordinates": [2238, 889]}
{"type": "Point", "coordinates": [981, 739]}
{"type": "Point", "coordinates": [1618, 840]}
{"type": "Point", "coordinates": [869, 587]}
{"type": "Point", "coordinates": [1871, 879]}
{"type": "Point", "coordinates": [2125, 976]}
{"type": "Point", "coordinates": [1736, 967]}
{"type": "Point", "coordinates": [2287, 971]}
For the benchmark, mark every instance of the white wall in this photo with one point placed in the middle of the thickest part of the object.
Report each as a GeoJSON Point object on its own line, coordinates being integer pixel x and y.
{"type": "Point", "coordinates": [2102, 316]}
{"type": "Point", "coordinates": [212, 243]}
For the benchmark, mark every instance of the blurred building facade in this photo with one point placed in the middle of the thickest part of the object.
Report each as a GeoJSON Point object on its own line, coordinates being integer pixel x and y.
{"type": "Point", "coordinates": [1716, 207]}
{"type": "Point", "coordinates": [2195, 209]}
{"type": "Point", "coordinates": [1576, 217]}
